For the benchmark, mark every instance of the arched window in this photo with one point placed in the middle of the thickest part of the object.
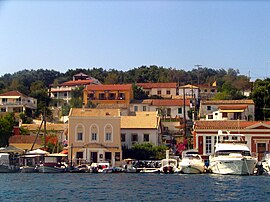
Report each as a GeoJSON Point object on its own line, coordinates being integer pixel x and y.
{"type": "Point", "coordinates": [79, 133]}
{"type": "Point", "coordinates": [108, 133]}
{"type": "Point", "coordinates": [94, 133]}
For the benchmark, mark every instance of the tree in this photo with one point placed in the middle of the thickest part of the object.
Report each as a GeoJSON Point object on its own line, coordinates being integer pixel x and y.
{"type": "Point", "coordinates": [76, 97]}
{"type": "Point", "coordinates": [138, 92]}
{"type": "Point", "coordinates": [7, 124]}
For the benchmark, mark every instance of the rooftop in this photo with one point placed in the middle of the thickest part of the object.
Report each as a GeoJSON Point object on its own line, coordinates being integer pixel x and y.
{"type": "Point", "coordinates": [219, 102]}
{"type": "Point", "coordinates": [157, 85]}
{"type": "Point", "coordinates": [109, 87]}
{"type": "Point", "coordinates": [142, 120]}
{"type": "Point", "coordinates": [75, 112]}
{"type": "Point", "coordinates": [13, 93]}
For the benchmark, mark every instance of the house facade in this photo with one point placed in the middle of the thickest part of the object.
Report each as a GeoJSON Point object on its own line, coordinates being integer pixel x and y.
{"type": "Point", "coordinates": [114, 94]}
{"type": "Point", "coordinates": [14, 101]}
{"type": "Point", "coordinates": [207, 92]}
{"type": "Point", "coordinates": [62, 92]}
{"type": "Point", "coordinates": [167, 108]}
{"type": "Point", "coordinates": [94, 136]}
{"type": "Point", "coordinates": [165, 90]}
{"type": "Point", "coordinates": [144, 127]}
{"type": "Point", "coordinates": [257, 135]}
{"type": "Point", "coordinates": [227, 110]}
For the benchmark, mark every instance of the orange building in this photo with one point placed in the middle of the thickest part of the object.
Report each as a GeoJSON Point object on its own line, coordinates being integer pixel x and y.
{"type": "Point", "coordinates": [116, 94]}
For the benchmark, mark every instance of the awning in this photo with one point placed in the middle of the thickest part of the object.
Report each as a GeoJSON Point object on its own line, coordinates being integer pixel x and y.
{"type": "Point", "coordinates": [232, 110]}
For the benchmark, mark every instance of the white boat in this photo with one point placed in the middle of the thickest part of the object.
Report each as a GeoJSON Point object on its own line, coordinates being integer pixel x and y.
{"type": "Point", "coordinates": [192, 162]}
{"type": "Point", "coordinates": [53, 163]}
{"type": "Point", "coordinates": [9, 163]}
{"type": "Point", "coordinates": [266, 162]}
{"type": "Point", "coordinates": [232, 156]}
{"type": "Point", "coordinates": [99, 167]}
{"type": "Point", "coordinates": [169, 166]}
{"type": "Point", "coordinates": [29, 163]}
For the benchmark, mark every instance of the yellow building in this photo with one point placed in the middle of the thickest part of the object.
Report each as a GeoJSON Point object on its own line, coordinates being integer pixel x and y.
{"type": "Point", "coordinates": [94, 136]}
{"type": "Point", "coordinates": [115, 94]}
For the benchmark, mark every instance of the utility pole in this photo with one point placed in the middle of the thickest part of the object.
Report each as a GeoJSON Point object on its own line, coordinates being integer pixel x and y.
{"type": "Point", "coordinates": [198, 75]}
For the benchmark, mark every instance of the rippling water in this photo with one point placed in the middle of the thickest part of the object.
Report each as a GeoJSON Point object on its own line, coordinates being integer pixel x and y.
{"type": "Point", "coordinates": [132, 187]}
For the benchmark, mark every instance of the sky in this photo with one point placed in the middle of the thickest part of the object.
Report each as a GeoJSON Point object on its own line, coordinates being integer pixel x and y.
{"type": "Point", "coordinates": [123, 35]}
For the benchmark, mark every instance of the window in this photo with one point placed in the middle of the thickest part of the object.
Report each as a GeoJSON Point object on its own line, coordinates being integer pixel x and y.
{"type": "Point", "coordinates": [123, 137]}
{"type": "Point", "coordinates": [212, 90]}
{"type": "Point", "coordinates": [147, 92]}
{"type": "Point", "coordinates": [224, 114]}
{"type": "Point", "coordinates": [208, 107]}
{"type": "Point", "coordinates": [65, 94]}
{"type": "Point", "coordinates": [94, 133]}
{"type": "Point", "coordinates": [210, 116]}
{"type": "Point", "coordinates": [134, 137]}
{"type": "Point", "coordinates": [225, 137]}
{"type": "Point", "coordinates": [168, 92]}
{"type": "Point", "coordinates": [146, 137]}
{"type": "Point", "coordinates": [112, 96]}
{"type": "Point", "coordinates": [108, 156]}
{"type": "Point", "coordinates": [144, 108]}
{"type": "Point", "coordinates": [101, 96]}
{"type": "Point", "coordinates": [108, 137]}
{"type": "Point", "coordinates": [159, 92]}
{"type": "Point", "coordinates": [79, 155]}
{"type": "Point", "coordinates": [91, 96]}
{"type": "Point", "coordinates": [79, 136]}
{"type": "Point", "coordinates": [234, 137]}
{"type": "Point", "coordinates": [169, 111]}
{"type": "Point", "coordinates": [208, 144]}
{"type": "Point", "coordinates": [205, 90]}
{"type": "Point", "coordinates": [135, 108]}
{"type": "Point", "coordinates": [121, 96]}
{"type": "Point", "coordinates": [94, 137]}
{"type": "Point", "coordinates": [180, 110]}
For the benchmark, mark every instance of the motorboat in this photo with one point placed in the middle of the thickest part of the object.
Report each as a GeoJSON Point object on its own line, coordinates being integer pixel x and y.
{"type": "Point", "coordinates": [232, 155]}
{"type": "Point", "coordinates": [82, 168]}
{"type": "Point", "coordinates": [129, 166]}
{"type": "Point", "coordinates": [169, 166]}
{"type": "Point", "coordinates": [53, 163]}
{"type": "Point", "coordinates": [99, 167]}
{"type": "Point", "coordinates": [9, 163]}
{"type": "Point", "coordinates": [192, 162]}
{"type": "Point", "coordinates": [29, 163]}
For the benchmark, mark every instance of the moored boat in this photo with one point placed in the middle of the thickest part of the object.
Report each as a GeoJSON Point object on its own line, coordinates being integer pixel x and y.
{"type": "Point", "coordinates": [192, 162]}
{"type": "Point", "coordinates": [232, 156]}
{"type": "Point", "coordinates": [53, 163]}
{"type": "Point", "coordinates": [9, 163]}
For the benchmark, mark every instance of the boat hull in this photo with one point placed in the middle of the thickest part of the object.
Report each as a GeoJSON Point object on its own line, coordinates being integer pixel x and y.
{"type": "Point", "coordinates": [192, 168]}
{"type": "Point", "coordinates": [9, 169]}
{"type": "Point", "coordinates": [229, 166]}
{"type": "Point", "coordinates": [50, 169]}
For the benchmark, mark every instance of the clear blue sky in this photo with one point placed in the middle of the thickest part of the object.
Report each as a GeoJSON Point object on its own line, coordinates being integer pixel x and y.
{"type": "Point", "coordinates": [64, 35]}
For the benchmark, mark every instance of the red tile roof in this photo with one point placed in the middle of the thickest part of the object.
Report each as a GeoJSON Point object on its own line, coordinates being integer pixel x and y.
{"type": "Point", "coordinates": [12, 93]}
{"type": "Point", "coordinates": [225, 125]}
{"type": "Point", "coordinates": [163, 102]}
{"type": "Point", "coordinates": [232, 107]}
{"type": "Point", "coordinates": [157, 85]}
{"type": "Point", "coordinates": [24, 139]}
{"type": "Point", "coordinates": [77, 82]}
{"type": "Point", "coordinates": [220, 102]}
{"type": "Point", "coordinates": [109, 87]}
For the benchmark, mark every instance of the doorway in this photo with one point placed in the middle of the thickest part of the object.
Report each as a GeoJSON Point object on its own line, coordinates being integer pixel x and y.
{"type": "Point", "coordinates": [93, 157]}
{"type": "Point", "coordinates": [261, 149]}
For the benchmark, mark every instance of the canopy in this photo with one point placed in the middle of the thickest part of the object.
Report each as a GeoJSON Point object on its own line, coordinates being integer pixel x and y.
{"type": "Point", "coordinates": [37, 151]}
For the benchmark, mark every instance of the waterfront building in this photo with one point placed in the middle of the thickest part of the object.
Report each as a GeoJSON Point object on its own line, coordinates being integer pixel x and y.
{"type": "Point", "coordinates": [14, 101]}
{"type": "Point", "coordinates": [257, 135]}
{"type": "Point", "coordinates": [94, 135]}
{"type": "Point", "coordinates": [143, 127]}
{"type": "Point", "coordinates": [227, 110]}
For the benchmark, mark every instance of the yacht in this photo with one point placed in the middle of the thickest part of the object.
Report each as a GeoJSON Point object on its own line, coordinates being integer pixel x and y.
{"type": "Point", "coordinates": [192, 162]}
{"type": "Point", "coordinates": [232, 156]}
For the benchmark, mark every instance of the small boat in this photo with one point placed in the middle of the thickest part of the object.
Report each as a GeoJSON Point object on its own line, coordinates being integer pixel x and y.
{"type": "Point", "coordinates": [129, 166]}
{"type": "Point", "coordinates": [82, 168]}
{"type": "Point", "coordinates": [169, 166]}
{"type": "Point", "coordinates": [29, 163]}
{"type": "Point", "coordinates": [53, 163]}
{"type": "Point", "coordinates": [232, 156]}
{"type": "Point", "coordinates": [99, 167]}
{"type": "Point", "coordinates": [9, 163]}
{"type": "Point", "coordinates": [191, 163]}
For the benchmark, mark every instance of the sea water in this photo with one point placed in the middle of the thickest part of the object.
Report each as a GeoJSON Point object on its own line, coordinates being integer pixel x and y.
{"type": "Point", "coordinates": [132, 187]}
